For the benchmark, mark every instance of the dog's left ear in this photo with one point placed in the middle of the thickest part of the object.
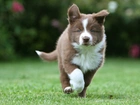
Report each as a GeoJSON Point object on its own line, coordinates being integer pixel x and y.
{"type": "Point", "coordinates": [73, 13]}
{"type": "Point", "coordinates": [100, 16]}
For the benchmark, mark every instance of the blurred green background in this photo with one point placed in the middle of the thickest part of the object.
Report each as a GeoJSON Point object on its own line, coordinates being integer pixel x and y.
{"type": "Point", "coordinates": [33, 25]}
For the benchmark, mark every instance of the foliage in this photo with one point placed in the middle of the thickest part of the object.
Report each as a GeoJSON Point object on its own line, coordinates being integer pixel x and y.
{"type": "Point", "coordinates": [31, 82]}
{"type": "Point", "coordinates": [38, 24]}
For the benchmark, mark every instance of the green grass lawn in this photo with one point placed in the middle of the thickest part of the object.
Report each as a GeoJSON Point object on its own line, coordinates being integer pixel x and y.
{"type": "Point", "coordinates": [33, 82]}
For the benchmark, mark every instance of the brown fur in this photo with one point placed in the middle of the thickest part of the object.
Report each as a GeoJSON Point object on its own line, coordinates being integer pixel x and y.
{"type": "Point", "coordinates": [65, 52]}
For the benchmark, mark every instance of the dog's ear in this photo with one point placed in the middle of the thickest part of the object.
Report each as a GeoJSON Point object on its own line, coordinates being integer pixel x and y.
{"type": "Point", "coordinates": [100, 16]}
{"type": "Point", "coordinates": [73, 13]}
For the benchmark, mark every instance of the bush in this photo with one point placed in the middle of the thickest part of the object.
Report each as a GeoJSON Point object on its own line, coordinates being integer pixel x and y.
{"type": "Point", "coordinates": [39, 23]}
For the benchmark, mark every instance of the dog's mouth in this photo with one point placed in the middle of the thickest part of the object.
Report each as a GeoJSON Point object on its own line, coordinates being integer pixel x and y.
{"type": "Point", "coordinates": [87, 43]}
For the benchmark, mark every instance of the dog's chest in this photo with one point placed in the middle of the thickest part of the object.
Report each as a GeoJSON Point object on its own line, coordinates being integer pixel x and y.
{"type": "Point", "coordinates": [88, 59]}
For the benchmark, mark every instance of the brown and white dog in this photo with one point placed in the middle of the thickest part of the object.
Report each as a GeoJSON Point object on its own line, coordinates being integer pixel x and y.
{"type": "Point", "coordinates": [80, 50]}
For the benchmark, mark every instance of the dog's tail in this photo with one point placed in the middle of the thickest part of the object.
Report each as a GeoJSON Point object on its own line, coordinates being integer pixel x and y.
{"type": "Point", "coordinates": [47, 56]}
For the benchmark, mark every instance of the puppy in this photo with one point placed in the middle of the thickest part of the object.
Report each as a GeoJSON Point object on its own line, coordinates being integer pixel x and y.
{"type": "Point", "coordinates": [80, 50]}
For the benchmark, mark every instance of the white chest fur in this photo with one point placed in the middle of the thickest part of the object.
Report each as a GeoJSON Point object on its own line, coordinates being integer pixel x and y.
{"type": "Point", "coordinates": [88, 57]}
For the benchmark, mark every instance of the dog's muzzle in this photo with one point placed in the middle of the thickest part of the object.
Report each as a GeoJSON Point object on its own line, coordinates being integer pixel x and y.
{"type": "Point", "coordinates": [86, 40]}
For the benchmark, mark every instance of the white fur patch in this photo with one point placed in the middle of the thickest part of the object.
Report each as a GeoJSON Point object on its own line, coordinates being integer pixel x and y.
{"type": "Point", "coordinates": [77, 80]}
{"type": "Point", "coordinates": [68, 90]}
{"type": "Point", "coordinates": [88, 57]}
{"type": "Point", "coordinates": [85, 32]}
{"type": "Point", "coordinates": [38, 52]}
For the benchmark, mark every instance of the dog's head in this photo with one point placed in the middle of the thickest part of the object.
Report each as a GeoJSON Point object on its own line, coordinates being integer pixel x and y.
{"type": "Point", "coordinates": [86, 29]}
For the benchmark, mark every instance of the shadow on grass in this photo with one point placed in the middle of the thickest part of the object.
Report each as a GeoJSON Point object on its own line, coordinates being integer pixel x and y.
{"type": "Point", "coordinates": [98, 96]}
{"type": "Point", "coordinates": [106, 96]}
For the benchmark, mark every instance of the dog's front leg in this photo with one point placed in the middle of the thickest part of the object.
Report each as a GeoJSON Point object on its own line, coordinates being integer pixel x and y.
{"type": "Point", "coordinates": [65, 82]}
{"type": "Point", "coordinates": [87, 78]}
{"type": "Point", "coordinates": [77, 80]}
{"type": "Point", "coordinates": [76, 77]}
{"type": "Point", "coordinates": [64, 78]}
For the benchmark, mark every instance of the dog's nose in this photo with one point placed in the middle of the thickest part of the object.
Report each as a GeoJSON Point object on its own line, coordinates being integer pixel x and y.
{"type": "Point", "coordinates": [86, 38]}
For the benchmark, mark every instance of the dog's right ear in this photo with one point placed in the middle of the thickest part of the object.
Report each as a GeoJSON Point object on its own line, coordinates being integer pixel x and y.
{"type": "Point", "coordinates": [73, 13]}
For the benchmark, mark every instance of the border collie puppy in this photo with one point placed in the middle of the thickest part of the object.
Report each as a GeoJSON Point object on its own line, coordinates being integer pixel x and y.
{"type": "Point", "coordinates": [80, 50]}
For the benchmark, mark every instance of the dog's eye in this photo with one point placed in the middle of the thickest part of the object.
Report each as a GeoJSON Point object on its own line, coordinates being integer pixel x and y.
{"type": "Point", "coordinates": [77, 30]}
{"type": "Point", "coordinates": [92, 30]}
{"type": "Point", "coordinates": [95, 29]}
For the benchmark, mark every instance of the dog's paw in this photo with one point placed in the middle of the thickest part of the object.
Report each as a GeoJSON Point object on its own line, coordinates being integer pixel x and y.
{"type": "Point", "coordinates": [68, 90]}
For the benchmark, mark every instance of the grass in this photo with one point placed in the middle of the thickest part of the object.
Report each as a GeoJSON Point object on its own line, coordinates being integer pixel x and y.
{"type": "Point", "coordinates": [32, 82]}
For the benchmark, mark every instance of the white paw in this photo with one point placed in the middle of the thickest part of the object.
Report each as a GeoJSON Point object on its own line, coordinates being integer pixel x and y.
{"type": "Point", "coordinates": [77, 86]}
{"type": "Point", "coordinates": [68, 90]}
{"type": "Point", "coordinates": [77, 80]}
